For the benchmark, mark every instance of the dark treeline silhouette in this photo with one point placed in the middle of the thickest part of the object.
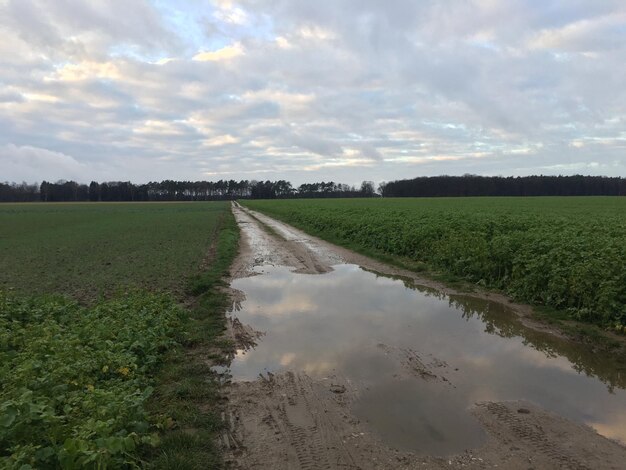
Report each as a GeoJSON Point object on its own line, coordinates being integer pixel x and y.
{"type": "Point", "coordinates": [118, 191]}
{"type": "Point", "coordinates": [14, 192]}
{"type": "Point", "coordinates": [473, 185]}
{"type": "Point", "coordinates": [434, 186]}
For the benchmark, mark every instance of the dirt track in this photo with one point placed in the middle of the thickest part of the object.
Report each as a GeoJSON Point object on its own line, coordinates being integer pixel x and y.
{"type": "Point", "coordinates": [291, 421]}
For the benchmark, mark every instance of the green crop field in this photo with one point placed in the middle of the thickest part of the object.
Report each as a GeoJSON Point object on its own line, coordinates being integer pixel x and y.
{"type": "Point", "coordinates": [98, 305]}
{"type": "Point", "coordinates": [565, 253]}
{"type": "Point", "coordinates": [88, 249]}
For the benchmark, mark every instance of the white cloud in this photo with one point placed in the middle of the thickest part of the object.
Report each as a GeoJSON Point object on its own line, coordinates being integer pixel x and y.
{"type": "Point", "coordinates": [27, 163]}
{"type": "Point", "coordinates": [88, 70]}
{"type": "Point", "coordinates": [229, 13]}
{"type": "Point", "coordinates": [313, 90]}
{"type": "Point", "coordinates": [46, 98]}
{"type": "Point", "coordinates": [220, 140]}
{"type": "Point", "coordinates": [586, 35]}
{"type": "Point", "coordinates": [225, 53]}
{"type": "Point", "coordinates": [316, 33]}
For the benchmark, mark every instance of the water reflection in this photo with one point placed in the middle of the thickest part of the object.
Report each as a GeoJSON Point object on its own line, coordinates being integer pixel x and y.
{"type": "Point", "coordinates": [500, 321]}
{"type": "Point", "coordinates": [384, 333]}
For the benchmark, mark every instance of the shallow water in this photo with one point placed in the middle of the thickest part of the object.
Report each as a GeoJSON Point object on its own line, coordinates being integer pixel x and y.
{"type": "Point", "coordinates": [389, 336]}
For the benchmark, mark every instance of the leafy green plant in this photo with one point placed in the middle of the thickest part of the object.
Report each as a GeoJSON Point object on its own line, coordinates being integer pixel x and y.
{"type": "Point", "coordinates": [76, 379]}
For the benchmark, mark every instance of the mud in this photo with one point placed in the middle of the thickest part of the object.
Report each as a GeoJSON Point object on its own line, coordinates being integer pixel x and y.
{"type": "Point", "coordinates": [339, 368]}
{"type": "Point", "coordinates": [242, 335]}
{"type": "Point", "coordinates": [284, 247]}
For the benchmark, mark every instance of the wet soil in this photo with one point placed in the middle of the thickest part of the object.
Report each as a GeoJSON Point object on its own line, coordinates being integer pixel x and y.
{"type": "Point", "coordinates": [341, 364]}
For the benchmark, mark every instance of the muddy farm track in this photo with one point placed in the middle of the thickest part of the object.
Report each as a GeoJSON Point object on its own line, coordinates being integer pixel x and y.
{"type": "Point", "coordinates": [344, 362]}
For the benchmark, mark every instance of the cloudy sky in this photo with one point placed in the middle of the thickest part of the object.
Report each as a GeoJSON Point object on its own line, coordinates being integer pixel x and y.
{"type": "Point", "coordinates": [304, 90]}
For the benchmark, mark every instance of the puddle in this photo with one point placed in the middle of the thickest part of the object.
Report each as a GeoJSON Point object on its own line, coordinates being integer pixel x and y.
{"type": "Point", "coordinates": [421, 359]}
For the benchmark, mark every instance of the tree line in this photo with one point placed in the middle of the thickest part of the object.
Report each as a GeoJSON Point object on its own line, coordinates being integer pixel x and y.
{"type": "Point", "coordinates": [169, 190]}
{"type": "Point", "coordinates": [474, 185]}
{"type": "Point", "coordinates": [433, 186]}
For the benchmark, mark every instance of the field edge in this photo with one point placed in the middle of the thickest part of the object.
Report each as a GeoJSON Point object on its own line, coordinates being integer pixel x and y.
{"type": "Point", "coordinates": [187, 400]}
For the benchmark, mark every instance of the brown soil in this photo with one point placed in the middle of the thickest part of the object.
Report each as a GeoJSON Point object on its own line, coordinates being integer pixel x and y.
{"type": "Point", "coordinates": [291, 421]}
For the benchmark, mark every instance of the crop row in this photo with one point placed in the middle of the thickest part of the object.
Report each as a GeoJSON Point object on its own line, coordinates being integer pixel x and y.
{"type": "Point", "coordinates": [569, 254]}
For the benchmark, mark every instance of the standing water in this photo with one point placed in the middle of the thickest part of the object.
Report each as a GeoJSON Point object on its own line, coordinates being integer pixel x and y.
{"type": "Point", "coordinates": [422, 359]}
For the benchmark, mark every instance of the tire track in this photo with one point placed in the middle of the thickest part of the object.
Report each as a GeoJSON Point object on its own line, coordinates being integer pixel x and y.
{"type": "Point", "coordinates": [534, 435]}
{"type": "Point", "coordinates": [292, 414]}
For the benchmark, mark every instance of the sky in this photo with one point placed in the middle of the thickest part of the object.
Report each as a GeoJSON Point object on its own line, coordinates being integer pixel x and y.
{"type": "Point", "coordinates": [303, 90]}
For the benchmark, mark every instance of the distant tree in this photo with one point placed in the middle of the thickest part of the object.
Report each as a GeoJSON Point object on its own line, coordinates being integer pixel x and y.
{"type": "Point", "coordinates": [381, 188]}
{"type": "Point", "coordinates": [43, 191]}
{"type": "Point", "coordinates": [367, 189]}
{"type": "Point", "coordinates": [22, 192]}
{"type": "Point", "coordinates": [94, 191]}
{"type": "Point", "coordinates": [474, 185]}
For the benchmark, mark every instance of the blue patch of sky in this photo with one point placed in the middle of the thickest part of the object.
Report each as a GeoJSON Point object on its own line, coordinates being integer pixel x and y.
{"type": "Point", "coordinates": [123, 51]}
{"type": "Point", "coordinates": [443, 125]}
{"type": "Point", "coordinates": [189, 21]}
{"type": "Point", "coordinates": [197, 25]}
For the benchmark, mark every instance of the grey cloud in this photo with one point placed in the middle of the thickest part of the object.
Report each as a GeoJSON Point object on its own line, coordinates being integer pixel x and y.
{"type": "Point", "coordinates": [10, 97]}
{"type": "Point", "coordinates": [321, 90]}
{"type": "Point", "coordinates": [79, 28]}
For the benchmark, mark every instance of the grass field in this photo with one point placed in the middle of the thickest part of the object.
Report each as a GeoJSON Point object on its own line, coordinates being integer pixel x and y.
{"type": "Point", "coordinates": [88, 249]}
{"type": "Point", "coordinates": [564, 253]}
{"type": "Point", "coordinates": [103, 311]}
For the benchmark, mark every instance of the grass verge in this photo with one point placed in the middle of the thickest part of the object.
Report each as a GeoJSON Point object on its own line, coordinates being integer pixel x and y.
{"type": "Point", "coordinates": [186, 401]}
